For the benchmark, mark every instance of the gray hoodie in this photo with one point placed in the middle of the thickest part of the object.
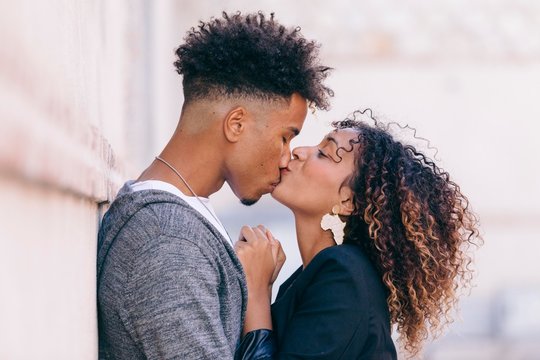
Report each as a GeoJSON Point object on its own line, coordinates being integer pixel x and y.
{"type": "Point", "coordinates": [168, 284]}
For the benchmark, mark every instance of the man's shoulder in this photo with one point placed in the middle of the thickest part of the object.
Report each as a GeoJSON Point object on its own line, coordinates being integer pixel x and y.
{"type": "Point", "coordinates": [162, 213]}
{"type": "Point", "coordinates": [176, 212]}
{"type": "Point", "coordinates": [153, 225]}
{"type": "Point", "coordinates": [183, 221]}
{"type": "Point", "coordinates": [156, 225]}
{"type": "Point", "coordinates": [156, 206]}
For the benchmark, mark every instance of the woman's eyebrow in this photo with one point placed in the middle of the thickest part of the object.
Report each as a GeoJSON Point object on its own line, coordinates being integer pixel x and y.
{"type": "Point", "coordinates": [330, 138]}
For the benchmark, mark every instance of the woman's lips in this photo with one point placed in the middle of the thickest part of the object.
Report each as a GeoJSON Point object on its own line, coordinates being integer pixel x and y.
{"type": "Point", "coordinates": [284, 171]}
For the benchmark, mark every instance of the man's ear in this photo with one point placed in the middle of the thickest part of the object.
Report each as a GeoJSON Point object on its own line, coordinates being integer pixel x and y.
{"type": "Point", "coordinates": [234, 123]}
{"type": "Point", "coordinates": [346, 201]}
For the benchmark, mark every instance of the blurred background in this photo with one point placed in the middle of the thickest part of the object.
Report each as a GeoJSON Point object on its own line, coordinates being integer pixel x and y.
{"type": "Point", "coordinates": [89, 96]}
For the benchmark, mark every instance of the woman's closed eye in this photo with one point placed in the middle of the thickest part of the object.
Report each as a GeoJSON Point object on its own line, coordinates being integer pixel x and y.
{"type": "Point", "coordinates": [321, 154]}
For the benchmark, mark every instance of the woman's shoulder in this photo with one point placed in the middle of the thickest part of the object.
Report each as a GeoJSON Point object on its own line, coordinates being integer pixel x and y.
{"type": "Point", "coordinates": [349, 260]}
{"type": "Point", "coordinates": [349, 264]}
{"type": "Point", "coordinates": [345, 254]}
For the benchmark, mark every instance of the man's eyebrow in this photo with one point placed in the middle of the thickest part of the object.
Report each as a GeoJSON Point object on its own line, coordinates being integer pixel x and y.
{"type": "Point", "coordinates": [294, 130]}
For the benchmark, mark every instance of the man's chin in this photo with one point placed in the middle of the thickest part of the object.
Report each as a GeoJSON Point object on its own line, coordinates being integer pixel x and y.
{"type": "Point", "coordinates": [248, 201]}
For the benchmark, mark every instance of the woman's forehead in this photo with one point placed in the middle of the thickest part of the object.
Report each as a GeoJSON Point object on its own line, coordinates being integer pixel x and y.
{"type": "Point", "coordinates": [342, 137]}
{"type": "Point", "coordinates": [341, 142]}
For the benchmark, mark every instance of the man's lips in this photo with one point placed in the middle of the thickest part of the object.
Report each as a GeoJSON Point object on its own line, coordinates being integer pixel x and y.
{"type": "Point", "coordinates": [276, 183]}
{"type": "Point", "coordinates": [282, 172]}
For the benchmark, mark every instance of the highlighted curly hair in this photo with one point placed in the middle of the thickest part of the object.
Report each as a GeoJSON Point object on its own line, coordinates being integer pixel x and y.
{"type": "Point", "coordinates": [415, 225]}
{"type": "Point", "coordinates": [251, 56]}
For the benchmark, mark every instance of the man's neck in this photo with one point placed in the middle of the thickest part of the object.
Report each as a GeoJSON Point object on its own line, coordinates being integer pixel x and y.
{"type": "Point", "coordinates": [195, 161]}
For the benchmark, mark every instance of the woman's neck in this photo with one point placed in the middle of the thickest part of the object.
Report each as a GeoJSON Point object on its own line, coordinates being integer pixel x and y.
{"type": "Point", "coordinates": [311, 237]}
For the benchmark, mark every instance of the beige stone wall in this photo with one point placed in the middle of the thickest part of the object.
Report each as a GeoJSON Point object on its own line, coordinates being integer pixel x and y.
{"type": "Point", "coordinates": [70, 73]}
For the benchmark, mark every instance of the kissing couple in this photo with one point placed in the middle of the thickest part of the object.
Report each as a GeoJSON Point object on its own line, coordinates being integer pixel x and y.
{"type": "Point", "coordinates": [383, 232]}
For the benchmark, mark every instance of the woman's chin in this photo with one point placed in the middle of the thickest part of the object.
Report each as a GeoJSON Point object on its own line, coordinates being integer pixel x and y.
{"type": "Point", "coordinates": [275, 194]}
{"type": "Point", "coordinates": [279, 195]}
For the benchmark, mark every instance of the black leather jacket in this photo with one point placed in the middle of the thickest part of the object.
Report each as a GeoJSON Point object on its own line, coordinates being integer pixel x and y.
{"type": "Point", "coordinates": [257, 345]}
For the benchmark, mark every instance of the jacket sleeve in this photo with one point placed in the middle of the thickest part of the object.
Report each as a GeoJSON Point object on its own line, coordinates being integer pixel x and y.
{"type": "Point", "coordinates": [257, 345]}
{"type": "Point", "coordinates": [172, 306]}
{"type": "Point", "coordinates": [330, 313]}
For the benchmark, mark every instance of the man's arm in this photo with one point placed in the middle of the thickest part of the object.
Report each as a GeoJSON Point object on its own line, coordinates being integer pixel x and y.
{"type": "Point", "coordinates": [171, 303]}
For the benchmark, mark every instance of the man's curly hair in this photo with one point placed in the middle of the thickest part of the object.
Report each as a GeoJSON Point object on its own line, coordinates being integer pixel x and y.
{"type": "Point", "coordinates": [416, 227]}
{"type": "Point", "coordinates": [251, 56]}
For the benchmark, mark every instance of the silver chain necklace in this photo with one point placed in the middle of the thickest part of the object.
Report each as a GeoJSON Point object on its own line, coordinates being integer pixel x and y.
{"type": "Point", "coordinates": [193, 192]}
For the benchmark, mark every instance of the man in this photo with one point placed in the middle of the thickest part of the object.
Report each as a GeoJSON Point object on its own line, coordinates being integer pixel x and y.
{"type": "Point", "coordinates": [169, 282]}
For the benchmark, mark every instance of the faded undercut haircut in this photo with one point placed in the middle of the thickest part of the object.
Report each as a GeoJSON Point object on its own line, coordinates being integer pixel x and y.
{"type": "Point", "coordinates": [251, 56]}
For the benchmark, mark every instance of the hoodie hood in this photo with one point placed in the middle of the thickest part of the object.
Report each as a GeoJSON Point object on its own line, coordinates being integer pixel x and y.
{"type": "Point", "coordinates": [127, 204]}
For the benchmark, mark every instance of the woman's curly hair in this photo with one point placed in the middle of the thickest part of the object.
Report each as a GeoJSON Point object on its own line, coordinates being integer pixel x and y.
{"type": "Point", "coordinates": [415, 225]}
{"type": "Point", "coordinates": [253, 56]}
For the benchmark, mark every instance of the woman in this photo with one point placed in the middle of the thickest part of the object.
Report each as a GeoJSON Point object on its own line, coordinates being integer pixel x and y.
{"type": "Point", "coordinates": [407, 227]}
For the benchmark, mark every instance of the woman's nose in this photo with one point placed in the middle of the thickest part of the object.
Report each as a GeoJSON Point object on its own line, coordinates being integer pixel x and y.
{"type": "Point", "coordinates": [300, 153]}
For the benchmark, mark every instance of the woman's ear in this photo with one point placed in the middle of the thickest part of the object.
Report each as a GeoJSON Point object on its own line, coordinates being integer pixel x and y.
{"type": "Point", "coordinates": [234, 123]}
{"type": "Point", "coordinates": [346, 201]}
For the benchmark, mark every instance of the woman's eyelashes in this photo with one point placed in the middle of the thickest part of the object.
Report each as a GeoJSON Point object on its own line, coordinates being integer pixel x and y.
{"type": "Point", "coordinates": [321, 154]}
